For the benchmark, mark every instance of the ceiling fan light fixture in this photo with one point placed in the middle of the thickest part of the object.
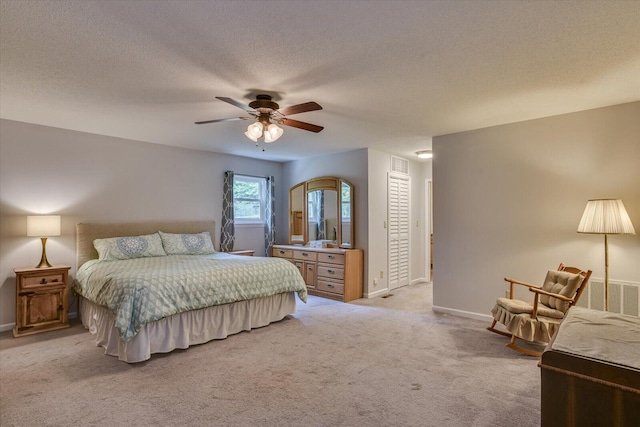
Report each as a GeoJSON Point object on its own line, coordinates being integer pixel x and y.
{"type": "Point", "coordinates": [267, 113]}
{"type": "Point", "coordinates": [273, 132]}
{"type": "Point", "coordinates": [254, 131]}
{"type": "Point", "coordinates": [425, 154]}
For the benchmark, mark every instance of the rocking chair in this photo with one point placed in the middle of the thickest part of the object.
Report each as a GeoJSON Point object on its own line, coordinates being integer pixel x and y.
{"type": "Point", "coordinates": [538, 321]}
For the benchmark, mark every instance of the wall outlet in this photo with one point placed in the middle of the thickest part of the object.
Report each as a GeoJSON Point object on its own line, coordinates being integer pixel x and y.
{"type": "Point", "coordinates": [506, 294]}
{"type": "Point", "coordinates": [418, 223]}
{"type": "Point", "coordinates": [375, 282]}
{"type": "Point", "coordinates": [382, 274]}
{"type": "Point", "coordinates": [385, 224]}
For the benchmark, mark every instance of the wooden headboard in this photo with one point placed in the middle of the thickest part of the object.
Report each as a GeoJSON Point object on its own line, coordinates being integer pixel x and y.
{"type": "Point", "coordinates": [86, 233]}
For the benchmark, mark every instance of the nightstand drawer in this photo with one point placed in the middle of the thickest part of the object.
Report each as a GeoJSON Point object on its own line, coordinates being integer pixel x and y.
{"type": "Point", "coordinates": [333, 287]}
{"type": "Point", "coordinates": [40, 280]}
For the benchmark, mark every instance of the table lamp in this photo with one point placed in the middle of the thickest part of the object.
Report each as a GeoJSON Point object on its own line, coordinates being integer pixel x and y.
{"type": "Point", "coordinates": [43, 226]}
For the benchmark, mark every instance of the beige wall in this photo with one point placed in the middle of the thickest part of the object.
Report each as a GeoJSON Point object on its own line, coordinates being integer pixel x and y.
{"type": "Point", "coordinates": [508, 199]}
{"type": "Point", "coordinates": [350, 165]}
{"type": "Point", "coordinates": [86, 177]}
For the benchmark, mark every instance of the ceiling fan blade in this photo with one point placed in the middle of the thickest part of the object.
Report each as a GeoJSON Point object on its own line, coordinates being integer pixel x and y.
{"type": "Point", "coordinates": [236, 104]}
{"type": "Point", "coordinates": [222, 120]}
{"type": "Point", "coordinates": [300, 108]}
{"type": "Point", "coordinates": [301, 125]}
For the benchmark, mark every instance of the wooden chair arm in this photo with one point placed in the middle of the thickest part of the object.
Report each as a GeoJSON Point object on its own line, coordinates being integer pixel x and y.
{"type": "Point", "coordinates": [518, 282]}
{"type": "Point", "coordinates": [551, 294]}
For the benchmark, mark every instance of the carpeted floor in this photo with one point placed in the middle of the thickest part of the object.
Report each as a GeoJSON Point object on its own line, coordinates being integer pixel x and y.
{"type": "Point", "coordinates": [379, 362]}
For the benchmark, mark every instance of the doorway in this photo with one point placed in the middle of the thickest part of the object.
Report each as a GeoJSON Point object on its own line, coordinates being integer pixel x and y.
{"type": "Point", "coordinates": [398, 190]}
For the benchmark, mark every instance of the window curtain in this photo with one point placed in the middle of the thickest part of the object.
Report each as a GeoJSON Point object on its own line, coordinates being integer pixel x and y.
{"type": "Point", "coordinates": [270, 216]}
{"type": "Point", "coordinates": [227, 234]}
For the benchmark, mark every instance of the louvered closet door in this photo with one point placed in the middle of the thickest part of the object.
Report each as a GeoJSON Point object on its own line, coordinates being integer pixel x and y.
{"type": "Point", "coordinates": [399, 222]}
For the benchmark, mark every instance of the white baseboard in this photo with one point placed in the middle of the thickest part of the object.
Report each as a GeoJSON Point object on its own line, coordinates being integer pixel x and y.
{"type": "Point", "coordinates": [386, 290]}
{"type": "Point", "coordinates": [462, 313]}
{"type": "Point", "coordinates": [9, 326]}
{"type": "Point", "coordinates": [376, 293]}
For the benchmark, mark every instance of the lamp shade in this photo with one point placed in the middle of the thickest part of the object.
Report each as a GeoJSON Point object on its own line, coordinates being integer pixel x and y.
{"type": "Point", "coordinates": [254, 131]}
{"type": "Point", "coordinates": [605, 216]}
{"type": "Point", "coordinates": [273, 132]}
{"type": "Point", "coordinates": [43, 225]}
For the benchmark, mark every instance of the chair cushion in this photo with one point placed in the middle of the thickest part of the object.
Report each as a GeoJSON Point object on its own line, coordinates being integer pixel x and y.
{"type": "Point", "coordinates": [563, 283]}
{"type": "Point", "coordinates": [516, 306]}
{"type": "Point", "coordinates": [523, 326]}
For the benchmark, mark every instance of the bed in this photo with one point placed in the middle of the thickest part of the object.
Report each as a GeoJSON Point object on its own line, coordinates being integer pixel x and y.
{"type": "Point", "coordinates": [154, 304]}
{"type": "Point", "coordinates": [590, 371]}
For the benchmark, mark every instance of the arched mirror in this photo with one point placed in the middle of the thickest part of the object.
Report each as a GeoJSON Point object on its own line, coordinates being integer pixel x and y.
{"type": "Point", "coordinates": [326, 213]}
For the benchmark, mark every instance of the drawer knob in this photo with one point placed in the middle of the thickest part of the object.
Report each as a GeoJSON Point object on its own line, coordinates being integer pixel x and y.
{"type": "Point", "coordinates": [310, 268]}
{"type": "Point", "coordinates": [329, 285]}
{"type": "Point", "coordinates": [43, 281]}
{"type": "Point", "coordinates": [331, 271]}
{"type": "Point", "coordinates": [331, 257]}
{"type": "Point", "coordinates": [281, 252]}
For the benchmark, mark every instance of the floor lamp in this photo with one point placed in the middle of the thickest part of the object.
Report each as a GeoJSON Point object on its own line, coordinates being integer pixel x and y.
{"type": "Point", "coordinates": [605, 216]}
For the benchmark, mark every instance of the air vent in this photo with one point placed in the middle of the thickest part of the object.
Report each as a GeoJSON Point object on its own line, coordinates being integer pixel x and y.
{"type": "Point", "coordinates": [624, 297]}
{"type": "Point", "coordinates": [399, 165]}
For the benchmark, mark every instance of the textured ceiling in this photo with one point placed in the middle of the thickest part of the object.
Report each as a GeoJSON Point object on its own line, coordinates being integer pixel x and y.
{"type": "Point", "coordinates": [389, 74]}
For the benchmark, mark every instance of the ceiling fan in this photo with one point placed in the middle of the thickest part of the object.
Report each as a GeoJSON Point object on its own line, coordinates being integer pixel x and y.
{"type": "Point", "coordinates": [268, 116]}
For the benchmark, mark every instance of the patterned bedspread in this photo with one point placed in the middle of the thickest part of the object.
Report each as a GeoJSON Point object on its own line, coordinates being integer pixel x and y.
{"type": "Point", "coordinates": [142, 290]}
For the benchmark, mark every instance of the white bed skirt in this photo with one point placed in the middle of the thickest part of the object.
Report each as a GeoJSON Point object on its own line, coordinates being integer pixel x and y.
{"type": "Point", "coordinates": [184, 329]}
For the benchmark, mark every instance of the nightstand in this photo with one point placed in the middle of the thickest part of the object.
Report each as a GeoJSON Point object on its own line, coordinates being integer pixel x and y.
{"type": "Point", "coordinates": [245, 252]}
{"type": "Point", "coordinates": [42, 299]}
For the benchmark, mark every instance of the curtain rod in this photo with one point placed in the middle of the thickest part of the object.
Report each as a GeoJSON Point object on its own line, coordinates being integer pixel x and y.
{"type": "Point", "coordinates": [252, 176]}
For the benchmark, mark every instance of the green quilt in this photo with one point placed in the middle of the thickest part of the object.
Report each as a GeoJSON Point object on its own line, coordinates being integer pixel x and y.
{"type": "Point", "coordinates": [141, 290]}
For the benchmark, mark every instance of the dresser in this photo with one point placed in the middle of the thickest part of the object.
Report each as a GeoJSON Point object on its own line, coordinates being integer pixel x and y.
{"type": "Point", "coordinates": [330, 273]}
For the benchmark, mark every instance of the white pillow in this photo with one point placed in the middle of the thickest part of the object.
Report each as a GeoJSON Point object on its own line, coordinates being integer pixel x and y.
{"type": "Point", "coordinates": [187, 244]}
{"type": "Point", "coordinates": [129, 247]}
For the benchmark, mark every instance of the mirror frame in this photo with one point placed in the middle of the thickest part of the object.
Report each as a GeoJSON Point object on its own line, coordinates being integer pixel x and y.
{"type": "Point", "coordinates": [303, 198]}
{"type": "Point", "coordinates": [323, 183]}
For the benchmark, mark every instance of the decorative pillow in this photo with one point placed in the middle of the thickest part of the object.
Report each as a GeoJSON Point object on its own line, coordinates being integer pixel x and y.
{"type": "Point", "coordinates": [129, 247]}
{"type": "Point", "coordinates": [563, 283]}
{"type": "Point", "coordinates": [187, 244]}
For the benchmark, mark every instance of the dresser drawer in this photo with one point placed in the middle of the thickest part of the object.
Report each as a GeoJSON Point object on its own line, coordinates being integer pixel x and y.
{"type": "Point", "coordinates": [41, 280]}
{"type": "Point", "coordinates": [333, 287]}
{"type": "Point", "coordinates": [331, 258]}
{"type": "Point", "coordinates": [331, 272]}
{"type": "Point", "coordinates": [305, 255]}
{"type": "Point", "coordinates": [282, 253]}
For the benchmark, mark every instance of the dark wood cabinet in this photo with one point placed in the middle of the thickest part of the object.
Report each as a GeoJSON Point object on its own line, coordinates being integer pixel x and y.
{"type": "Point", "coordinates": [42, 299]}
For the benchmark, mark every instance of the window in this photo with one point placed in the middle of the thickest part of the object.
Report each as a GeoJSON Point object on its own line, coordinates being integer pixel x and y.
{"type": "Point", "coordinates": [312, 206]}
{"type": "Point", "coordinates": [346, 203]}
{"type": "Point", "coordinates": [249, 199]}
